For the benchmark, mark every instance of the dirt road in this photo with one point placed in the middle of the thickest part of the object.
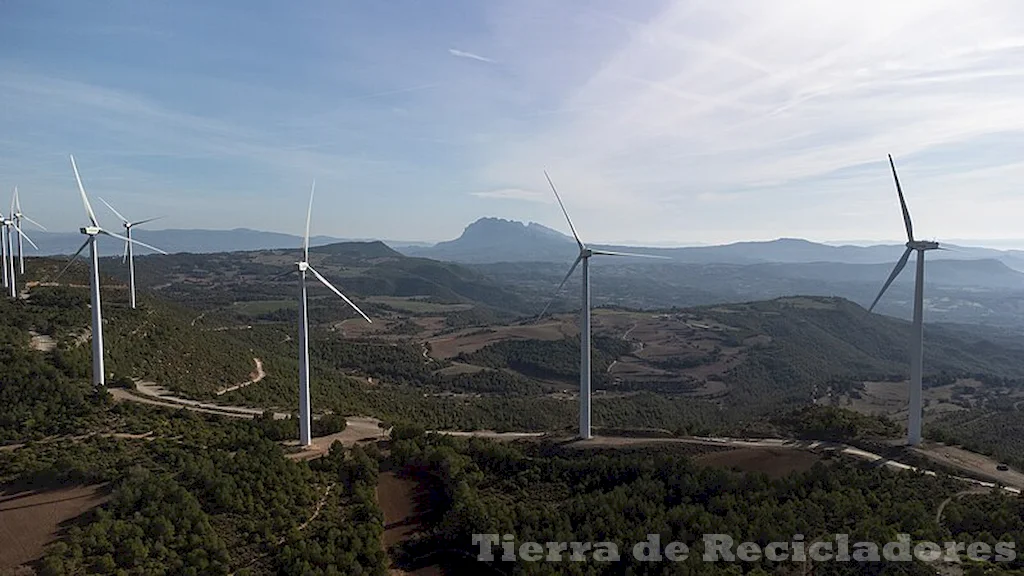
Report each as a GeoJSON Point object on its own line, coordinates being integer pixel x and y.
{"type": "Point", "coordinates": [364, 428]}
{"type": "Point", "coordinates": [256, 376]}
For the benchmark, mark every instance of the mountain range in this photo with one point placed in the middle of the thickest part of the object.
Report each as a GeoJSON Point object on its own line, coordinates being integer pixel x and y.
{"type": "Point", "coordinates": [492, 240]}
{"type": "Point", "coordinates": [197, 241]}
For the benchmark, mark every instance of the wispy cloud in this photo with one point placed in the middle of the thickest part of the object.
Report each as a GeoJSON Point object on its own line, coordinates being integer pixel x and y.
{"type": "Point", "coordinates": [515, 194]}
{"type": "Point", "coordinates": [470, 55]}
{"type": "Point", "coordinates": [790, 109]}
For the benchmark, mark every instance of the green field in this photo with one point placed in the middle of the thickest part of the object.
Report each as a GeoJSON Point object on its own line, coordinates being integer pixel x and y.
{"type": "Point", "coordinates": [416, 305]}
{"type": "Point", "coordinates": [260, 307]}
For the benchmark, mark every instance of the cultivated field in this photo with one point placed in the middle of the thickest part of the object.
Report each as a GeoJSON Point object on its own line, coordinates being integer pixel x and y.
{"type": "Point", "coordinates": [775, 462]}
{"type": "Point", "coordinates": [891, 398]}
{"type": "Point", "coordinates": [31, 520]}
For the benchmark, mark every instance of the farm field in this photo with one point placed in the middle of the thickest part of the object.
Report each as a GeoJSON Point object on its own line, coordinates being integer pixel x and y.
{"type": "Point", "coordinates": [31, 520]}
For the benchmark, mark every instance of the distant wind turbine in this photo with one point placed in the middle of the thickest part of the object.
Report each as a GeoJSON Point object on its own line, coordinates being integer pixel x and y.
{"type": "Point", "coordinates": [584, 257]}
{"type": "Point", "coordinates": [92, 231]}
{"type": "Point", "coordinates": [3, 252]}
{"type": "Point", "coordinates": [129, 252]}
{"type": "Point", "coordinates": [8, 227]}
{"type": "Point", "coordinates": [917, 334]}
{"type": "Point", "coordinates": [18, 216]}
{"type": "Point", "coordinates": [305, 415]}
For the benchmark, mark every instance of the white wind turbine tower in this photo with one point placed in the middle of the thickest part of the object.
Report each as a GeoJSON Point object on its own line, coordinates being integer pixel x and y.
{"type": "Point", "coordinates": [584, 257]}
{"type": "Point", "coordinates": [92, 231]}
{"type": "Point", "coordinates": [18, 216]}
{"type": "Point", "coordinates": [8, 227]}
{"type": "Point", "coordinates": [917, 333]}
{"type": "Point", "coordinates": [305, 415]}
{"type": "Point", "coordinates": [8, 281]}
{"type": "Point", "coordinates": [129, 252]}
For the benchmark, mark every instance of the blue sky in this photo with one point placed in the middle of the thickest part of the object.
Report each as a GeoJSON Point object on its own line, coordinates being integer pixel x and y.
{"type": "Point", "coordinates": [669, 122]}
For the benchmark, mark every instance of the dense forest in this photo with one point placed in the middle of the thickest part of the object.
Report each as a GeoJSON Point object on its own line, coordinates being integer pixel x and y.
{"type": "Point", "coordinates": [558, 359]}
{"type": "Point", "coordinates": [547, 493]}
{"type": "Point", "coordinates": [205, 495]}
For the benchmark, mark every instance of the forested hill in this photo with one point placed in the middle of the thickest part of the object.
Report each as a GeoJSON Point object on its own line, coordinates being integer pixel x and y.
{"type": "Point", "coordinates": [750, 358]}
{"type": "Point", "coordinates": [792, 345]}
{"type": "Point", "coordinates": [357, 268]}
{"type": "Point", "coordinates": [157, 342]}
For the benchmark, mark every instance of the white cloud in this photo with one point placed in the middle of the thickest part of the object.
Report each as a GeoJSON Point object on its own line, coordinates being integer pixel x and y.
{"type": "Point", "coordinates": [791, 107]}
{"type": "Point", "coordinates": [470, 55]}
{"type": "Point", "coordinates": [515, 194]}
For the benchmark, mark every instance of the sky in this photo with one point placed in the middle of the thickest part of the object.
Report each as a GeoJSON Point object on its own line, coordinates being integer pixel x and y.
{"type": "Point", "coordinates": [660, 122]}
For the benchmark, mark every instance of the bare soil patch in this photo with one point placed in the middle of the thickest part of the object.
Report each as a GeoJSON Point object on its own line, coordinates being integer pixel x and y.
{"type": "Point", "coordinates": [42, 342]}
{"type": "Point", "coordinates": [473, 339]}
{"type": "Point", "coordinates": [31, 520]}
{"type": "Point", "coordinates": [358, 429]}
{"type": "Point", "coordinates": [775, 462]}
{"type": "Point", "coordinates": [404, 501]}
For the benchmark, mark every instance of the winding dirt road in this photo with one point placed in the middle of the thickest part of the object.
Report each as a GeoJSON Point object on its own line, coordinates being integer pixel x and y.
{"type": "Point", "coordinates": [256, 376]}
{"type": "Point", "coordinates": [368, 429]}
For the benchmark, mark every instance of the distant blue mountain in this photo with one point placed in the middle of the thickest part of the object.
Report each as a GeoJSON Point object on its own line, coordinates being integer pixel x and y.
{"type": "Point", "coordinates": [492, 240]}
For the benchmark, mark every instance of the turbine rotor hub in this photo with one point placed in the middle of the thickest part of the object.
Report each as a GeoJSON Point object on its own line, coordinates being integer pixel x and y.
{"type": "Point", "coordinates": [303, 266]}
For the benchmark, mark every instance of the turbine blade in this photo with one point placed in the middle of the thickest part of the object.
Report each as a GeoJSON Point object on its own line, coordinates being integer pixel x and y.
{"type": "Point", "coordinates": [124, 257]}
{"type": "Point", "coordinates": [630, 254]}
{"type": "Point", "coordinates": [72, 260]}
{"type": "Point", "coordinates": [560, 286]}
{"type": "Point", "coordinates": [116, 213]}
{"type": "Point", "coordinates": [14, 202]}
{"type": "Point", "coordinates": [146, 221]}
{"type": "Point", "coordinates": [31, 221]}
{"type": "Point", "coordinates": [567, 219]}
{"type": "Point", "coordinates": [132, 240]}
{"type": "Point", "coordinates": [25, 236]}
{"type": "Point", "coordinates": [903, 202]}
{"type": "Point", "coordinates": [17, 200]}
{"type": "Point", "coordinates": [895, 272]}
{"type": "Point", "coordinates": [338, 292]}
{"type": "Point", "coordinates": [81, 190]}
{"type": "Point", "coordinates": [309, 214]}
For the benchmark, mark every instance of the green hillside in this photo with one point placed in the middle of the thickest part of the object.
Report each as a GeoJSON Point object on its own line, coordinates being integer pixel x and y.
{"type": "Point", "coordinates": [157, 342]}
{"type": "Point", "coordinates": [823, 341]}
{"type": "Point", "coordinates": [358, 268]}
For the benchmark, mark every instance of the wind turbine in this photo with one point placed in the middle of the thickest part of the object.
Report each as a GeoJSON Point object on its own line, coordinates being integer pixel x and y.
{"type": "Point", "coordinates": [917, 333]}
{"type": "Point", "coordinates": [129, 252]}
{"type": "Point", "coordinates": [305, 416]}
{"type": "Point", "coordinates": [18, 216]}
{"type": "Point", "coordinates": [584, 257]}
{"type": "Point", "coordinates": [8, 226]}
{"type": "Point", "coordinates": [92, 231]}
{"type": "Point", "coordinates": [3, 251]}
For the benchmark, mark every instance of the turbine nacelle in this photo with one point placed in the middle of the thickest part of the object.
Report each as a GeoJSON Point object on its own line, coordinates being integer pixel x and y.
{"type": "Point", "coordinates": [302, 266]}
{"type": "Point", "coordinates": [923, 245]}
{"type": "Point", "coordinates": [91, 230]}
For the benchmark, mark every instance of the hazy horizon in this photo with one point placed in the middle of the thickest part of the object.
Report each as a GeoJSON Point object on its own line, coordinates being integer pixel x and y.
{"type": "Point", "coordinates": [995, 244]}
